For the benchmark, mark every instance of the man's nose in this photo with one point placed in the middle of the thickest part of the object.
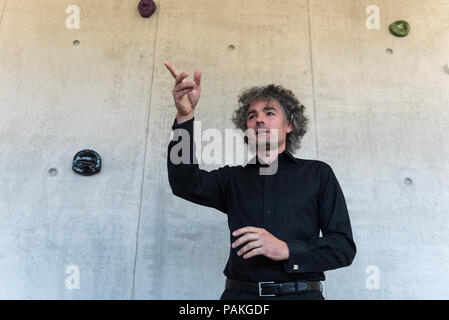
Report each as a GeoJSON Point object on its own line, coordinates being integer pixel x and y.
{"type": "Point", "coordinates": [259, 118]}
{"type": "Point", "coordinates": [260, 123]}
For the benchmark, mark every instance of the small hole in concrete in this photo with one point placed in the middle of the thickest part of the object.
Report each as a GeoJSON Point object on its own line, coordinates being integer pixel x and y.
{"type": "Point", "coordinates": [389, 51]}
{"type": "Point", "coordinates": [231, 47]}
{"type": "Point", "coordinates": [53, 172]}
{"type": "Point", "coordinates": [408, 181]}
{"type": "Point", "coordinates": [76, 42]}
{"type": "Point", "coordinates": [446, 67]}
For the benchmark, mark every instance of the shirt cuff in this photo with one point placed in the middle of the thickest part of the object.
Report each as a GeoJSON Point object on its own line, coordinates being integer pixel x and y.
{"type": "Point", "coordinates": [184, 125]}
{"type": "Point", "coordinates": [298, 252]}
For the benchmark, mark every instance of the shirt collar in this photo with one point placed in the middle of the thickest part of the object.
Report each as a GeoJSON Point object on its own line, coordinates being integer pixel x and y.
{"type": "Point", "coordinates": [283, 157]}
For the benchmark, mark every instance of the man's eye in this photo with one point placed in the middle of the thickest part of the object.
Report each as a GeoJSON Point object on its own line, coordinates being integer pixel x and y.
{"type": "Point", "coordinates": [250, 117]}
{"type": "Point", "coordinates": [269, 113]}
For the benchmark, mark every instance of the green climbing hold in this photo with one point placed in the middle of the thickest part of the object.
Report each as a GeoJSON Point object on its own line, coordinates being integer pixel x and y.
{"type": "Point", "coordinates": [400, 28]}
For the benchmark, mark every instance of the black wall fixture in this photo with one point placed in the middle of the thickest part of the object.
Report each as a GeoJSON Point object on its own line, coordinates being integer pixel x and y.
{"type": "Point", "coordinates": [146, 8]}
{"type": "Point", "coordinates": [87, 162]}
{"type": "Point", "coordinates": [400, 28]}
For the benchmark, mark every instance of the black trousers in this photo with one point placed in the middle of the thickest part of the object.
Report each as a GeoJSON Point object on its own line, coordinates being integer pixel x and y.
{"type": "Point", "coordinates": [239, 295]}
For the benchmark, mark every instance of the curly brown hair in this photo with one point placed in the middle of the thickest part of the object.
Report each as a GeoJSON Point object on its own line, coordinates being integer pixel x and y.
{"type": "Point", "coordinates": [292, 109]}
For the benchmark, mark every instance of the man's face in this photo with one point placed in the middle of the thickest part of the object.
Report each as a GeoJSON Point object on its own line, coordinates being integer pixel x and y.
{"type": "Point", "coordinates": [266, 116]}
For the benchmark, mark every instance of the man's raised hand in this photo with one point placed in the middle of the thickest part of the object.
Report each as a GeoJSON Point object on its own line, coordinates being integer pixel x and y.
{"type": "Point", "coordinates": [186, 94]}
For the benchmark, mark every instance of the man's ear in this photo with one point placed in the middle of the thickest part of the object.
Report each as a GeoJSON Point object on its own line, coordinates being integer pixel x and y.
{"type": "Point", "coordinates": [289, 127]}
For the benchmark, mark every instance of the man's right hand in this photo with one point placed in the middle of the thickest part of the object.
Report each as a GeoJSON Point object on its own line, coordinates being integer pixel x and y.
{"type": "Point", "coordinates": [186, 94]}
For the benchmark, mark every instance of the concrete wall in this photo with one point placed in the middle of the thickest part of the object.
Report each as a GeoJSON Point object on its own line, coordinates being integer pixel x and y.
{"type": "Point", "coordinates": [376, 118]}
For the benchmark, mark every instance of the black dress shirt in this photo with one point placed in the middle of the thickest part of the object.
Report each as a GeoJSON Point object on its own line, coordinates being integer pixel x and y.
{"type": "Point", "coordinates": [294, 204]}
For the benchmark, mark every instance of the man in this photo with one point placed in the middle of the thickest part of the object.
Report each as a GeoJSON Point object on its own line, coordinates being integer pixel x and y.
{"type": "Point", "coordinates": [274, 219]}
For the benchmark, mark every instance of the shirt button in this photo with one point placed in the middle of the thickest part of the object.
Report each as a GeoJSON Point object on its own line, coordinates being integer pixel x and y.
{"type": "Point", "coordinates": [268, 211]}
{"type": "Point", "coordinates": [295, 267]}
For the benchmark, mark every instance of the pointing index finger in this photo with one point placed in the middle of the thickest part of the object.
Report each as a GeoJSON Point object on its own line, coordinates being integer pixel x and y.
{"type": "Point", "coordinates": [171, 68]}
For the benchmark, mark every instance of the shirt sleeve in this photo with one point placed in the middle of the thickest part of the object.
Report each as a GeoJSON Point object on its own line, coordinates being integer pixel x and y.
{"type": "Point", "coordinates": [336, 248]}
{"type": "Point", "coordinates": [187, 180]}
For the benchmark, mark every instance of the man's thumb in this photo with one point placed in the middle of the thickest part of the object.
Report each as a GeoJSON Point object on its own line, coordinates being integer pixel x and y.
{"type": "Point", "coordinates": [197, 77]}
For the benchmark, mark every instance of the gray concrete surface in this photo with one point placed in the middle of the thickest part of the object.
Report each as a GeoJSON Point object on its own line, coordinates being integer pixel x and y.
{"type": "Point", "coordinates": [376, 118]}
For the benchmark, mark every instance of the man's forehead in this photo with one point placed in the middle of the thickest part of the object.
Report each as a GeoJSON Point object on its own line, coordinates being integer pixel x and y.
{"type": "Point", "coordinates": [264, 104]}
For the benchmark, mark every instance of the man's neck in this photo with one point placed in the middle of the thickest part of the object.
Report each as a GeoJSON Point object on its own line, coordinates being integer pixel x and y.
{"type": "Point", "coordinates": [268, 156]}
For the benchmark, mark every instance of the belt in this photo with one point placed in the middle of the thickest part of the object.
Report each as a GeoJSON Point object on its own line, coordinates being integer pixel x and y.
{"type": "Point", "coordinates": [271, 288]}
